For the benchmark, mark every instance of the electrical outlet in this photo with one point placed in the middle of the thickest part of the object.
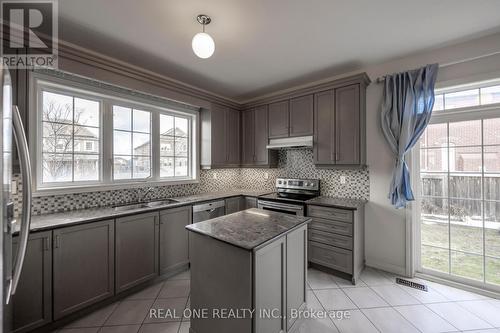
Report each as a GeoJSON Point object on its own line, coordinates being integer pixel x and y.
{"type": "Point", "coordinates": [215, 175]}
{"type": "Point", "coordinates": [266, 175]}
{"type": "Point", "coordinates": [14, 187]}
{"type": "Point", "coordinates": [343, 180]}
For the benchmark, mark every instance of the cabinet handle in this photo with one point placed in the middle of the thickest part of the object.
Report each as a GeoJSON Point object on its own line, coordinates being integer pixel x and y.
{"type": "Point", "coordinates": [46, 245]}
{"type": "Point", "coordinates": [56, 242]}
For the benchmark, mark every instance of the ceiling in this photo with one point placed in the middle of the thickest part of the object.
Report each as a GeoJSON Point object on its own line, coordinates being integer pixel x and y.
{"type": "Point", "coordinates": [263, 45]}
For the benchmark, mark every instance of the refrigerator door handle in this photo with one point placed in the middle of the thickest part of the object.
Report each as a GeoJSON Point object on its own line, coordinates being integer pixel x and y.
{"type": "Point", "coordinates": [24, 161]}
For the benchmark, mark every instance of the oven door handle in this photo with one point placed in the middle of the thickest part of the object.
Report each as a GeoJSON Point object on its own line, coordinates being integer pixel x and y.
{"type": "Point", "coordinates": [294, 208]}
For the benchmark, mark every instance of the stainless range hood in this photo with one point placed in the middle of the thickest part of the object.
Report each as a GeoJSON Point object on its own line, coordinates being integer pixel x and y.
{"type": "Point", "coordinates": [296, 142]}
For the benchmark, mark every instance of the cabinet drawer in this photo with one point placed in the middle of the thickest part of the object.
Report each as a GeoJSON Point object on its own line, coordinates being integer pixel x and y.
{"type": "Point", "coordinates": [336, 227]}
{"type": "Point", "coordinates": [330, 256]}
{"type": "Point", "coordinates": [330, 213]}
{"type": "Point", "coordinates": [330, 239]}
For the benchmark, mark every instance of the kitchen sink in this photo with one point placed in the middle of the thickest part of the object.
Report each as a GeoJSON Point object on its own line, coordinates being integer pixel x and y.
{"type": "Point", "coordinates": [131, 207]}
{"type": "Point", "coordinates": [150, 204]}
{"type": "Point", "coordinates": [161, 202]}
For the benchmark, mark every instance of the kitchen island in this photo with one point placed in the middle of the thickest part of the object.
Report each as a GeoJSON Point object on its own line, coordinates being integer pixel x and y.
{"type": "Point", "coordinates": [248, 272]}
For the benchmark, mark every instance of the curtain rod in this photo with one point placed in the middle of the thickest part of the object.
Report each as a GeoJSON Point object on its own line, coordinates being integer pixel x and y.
{"type": "Point", "coordinates": [381, 79]}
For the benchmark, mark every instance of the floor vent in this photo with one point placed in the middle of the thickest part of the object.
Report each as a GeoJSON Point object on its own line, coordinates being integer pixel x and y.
{"type": "Point", "coordinates": [411, 284]}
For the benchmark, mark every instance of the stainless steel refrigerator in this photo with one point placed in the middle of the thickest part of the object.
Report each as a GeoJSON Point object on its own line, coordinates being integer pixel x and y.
{"type": "Point", "coordinates": [11, 263]}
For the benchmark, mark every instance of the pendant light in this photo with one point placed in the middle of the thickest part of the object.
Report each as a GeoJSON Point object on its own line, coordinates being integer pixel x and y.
{"type": "Point", "coordinates": [203, 44]}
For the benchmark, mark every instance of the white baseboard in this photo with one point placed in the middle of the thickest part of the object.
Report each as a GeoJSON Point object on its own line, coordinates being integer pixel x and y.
{"type": "Point", "coordinates": [391, 268]}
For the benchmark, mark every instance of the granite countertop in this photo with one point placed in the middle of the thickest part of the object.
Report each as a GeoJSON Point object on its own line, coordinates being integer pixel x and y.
{"type": "Point", "coordinates": [248, 229]}
{"type": "Point", "coordinates": [338, 202]}
{"type": "Point", "coordinates": [54, 220]}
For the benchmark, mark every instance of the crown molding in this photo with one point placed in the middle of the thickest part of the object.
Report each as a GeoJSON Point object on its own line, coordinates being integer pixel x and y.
{"type": "Point", "coordinates": [311, 88]}
{"type": "Point", "coordinates": [85, 56]}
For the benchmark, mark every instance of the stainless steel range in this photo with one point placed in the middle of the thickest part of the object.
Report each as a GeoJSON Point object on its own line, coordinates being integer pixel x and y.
{"type": "Point", "coordinates": [290, 196]}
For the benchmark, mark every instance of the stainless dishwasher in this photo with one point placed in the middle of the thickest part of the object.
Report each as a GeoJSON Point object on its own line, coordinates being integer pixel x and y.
{"type": "Point", "coordinates": [208, 211]}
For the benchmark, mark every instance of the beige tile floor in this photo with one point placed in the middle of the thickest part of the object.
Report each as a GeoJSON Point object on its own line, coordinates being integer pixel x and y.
{"type": "Point", "coordinates": [375, 304]}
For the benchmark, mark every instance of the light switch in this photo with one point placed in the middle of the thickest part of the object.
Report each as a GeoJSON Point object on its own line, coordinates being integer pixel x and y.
{"type": "Point", "coordinates": [14, 187]}
{"type": "Point", "coordinates": [343, 180]}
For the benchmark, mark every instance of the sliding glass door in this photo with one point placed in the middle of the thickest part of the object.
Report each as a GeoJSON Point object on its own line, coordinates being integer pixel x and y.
{"type": "Point", "coordinates": [459, 198]}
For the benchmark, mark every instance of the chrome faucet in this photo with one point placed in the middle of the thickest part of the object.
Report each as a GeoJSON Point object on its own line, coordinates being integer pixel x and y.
{"type": "Point", "coordinates": [141, 197]}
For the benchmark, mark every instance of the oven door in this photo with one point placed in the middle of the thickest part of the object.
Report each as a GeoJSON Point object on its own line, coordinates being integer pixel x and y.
{"type": "Point", "coordinates": [281, 207]}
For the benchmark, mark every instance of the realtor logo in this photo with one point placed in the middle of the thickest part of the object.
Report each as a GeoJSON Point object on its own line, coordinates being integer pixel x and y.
{"type": "Point", "coordinates": [29, 33]}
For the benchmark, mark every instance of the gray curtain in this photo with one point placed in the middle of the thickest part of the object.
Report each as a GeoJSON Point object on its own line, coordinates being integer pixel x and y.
{"type": "Point", "coordinates": [406, 111]}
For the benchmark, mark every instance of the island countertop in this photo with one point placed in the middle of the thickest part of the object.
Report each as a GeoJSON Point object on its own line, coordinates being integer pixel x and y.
{"type": "Point", "coordinates": [248, 229]}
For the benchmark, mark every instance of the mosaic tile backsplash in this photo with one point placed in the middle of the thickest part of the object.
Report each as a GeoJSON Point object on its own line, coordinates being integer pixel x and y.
{"type": "Point", "coordinates": [293, 163]}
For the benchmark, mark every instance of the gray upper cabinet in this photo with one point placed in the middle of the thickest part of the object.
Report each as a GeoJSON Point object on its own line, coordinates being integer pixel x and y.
{"type": "Point", "coordinates": [32, 303]}
{"type": "Point", "coordinates": [255, 139]}
{"type": "Point", "coordinates": [136, 250]}
{"type": "Point", "coordinates": [301, 116]}
{"type": "Point", "coordinates": [332, 112]}
{"type": "Point", "coordinates": [347, 125]}
{"type": "Point", "coordinates": [83, 259]}
{"type": "Point", "coordinates": [221, 137]}
{"type": "Point", "coordinates": [292, 117]}
{"type": "Point", "coordinates": [279, 121]}
{"type": "Point", "coordinates": [248, 137]}
{"type": "Point", "coordinates": [339, 125]}
{"type": "Point", "coordinates": [174, 239]}
{"type": "Point", "coordinates": [219, 154]}
{"type": "Point", "coordinates": [233, 124]}
{"type": "Point", "coordinates": [324, 125]}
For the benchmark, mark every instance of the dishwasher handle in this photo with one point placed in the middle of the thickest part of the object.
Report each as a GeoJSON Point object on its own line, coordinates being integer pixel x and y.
{"type": "Point", "coordinates": [209, 206]}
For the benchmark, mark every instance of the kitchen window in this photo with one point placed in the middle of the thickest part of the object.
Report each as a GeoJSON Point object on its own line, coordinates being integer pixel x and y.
{"type": "Point", "coordinates": [86, 139]}
{"type": "Point", "coordinates": [67, 121]}
{"type": "Point", "coordinates": [131, 143]}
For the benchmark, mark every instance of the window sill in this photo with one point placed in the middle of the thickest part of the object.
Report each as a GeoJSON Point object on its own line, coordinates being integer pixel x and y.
{"type": "Point", "coordinates": [48, 191]}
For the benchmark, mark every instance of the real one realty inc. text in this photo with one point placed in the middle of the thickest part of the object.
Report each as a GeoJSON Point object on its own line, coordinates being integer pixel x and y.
{"type": "Point", "coordinates": [229, 313]}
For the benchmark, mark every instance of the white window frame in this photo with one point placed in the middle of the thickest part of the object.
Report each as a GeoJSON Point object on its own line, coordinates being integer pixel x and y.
{"type": "Point", "coordinates": [41, 82]}
{"type": "Point", "coordinates": [414, 267]}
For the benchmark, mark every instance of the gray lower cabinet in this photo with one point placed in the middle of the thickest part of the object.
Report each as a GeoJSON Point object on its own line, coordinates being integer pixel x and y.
{"type": "Point", "coordinates": [83, 266]}
{"type": "Point", "coordinates": [272, 278]}
{"type": "Point", "coordinates": [174, 244]}
{"type": "Point", "coordinates": [136, 250]}
{"type": "Point", "coordinates": [32, 303]}
{"type": "Point", "coordinates": [336, 239]}
{"type": "Point", "coordinates": [281, 287]}
{"type": "Point", "coordinates": [234, 205]}
{"type": "Point", "coordinates": [296, 256]}
{"type": "Point", "coordinates": [270, 287]}
{"type": "Point", "coordinates": [250, 202]}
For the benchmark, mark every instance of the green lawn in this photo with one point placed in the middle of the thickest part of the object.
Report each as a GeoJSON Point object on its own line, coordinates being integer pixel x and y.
{"type": "Point", "coordinates": [463, 238]}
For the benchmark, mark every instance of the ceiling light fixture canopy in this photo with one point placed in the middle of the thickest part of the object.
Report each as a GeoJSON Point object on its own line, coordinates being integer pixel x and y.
{"type": "Point", "coordinates": [202, 43]}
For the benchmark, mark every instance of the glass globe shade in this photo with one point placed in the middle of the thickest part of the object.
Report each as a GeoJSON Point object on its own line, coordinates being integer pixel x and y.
{"type": "Point", "coordinates": [203, 45]}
